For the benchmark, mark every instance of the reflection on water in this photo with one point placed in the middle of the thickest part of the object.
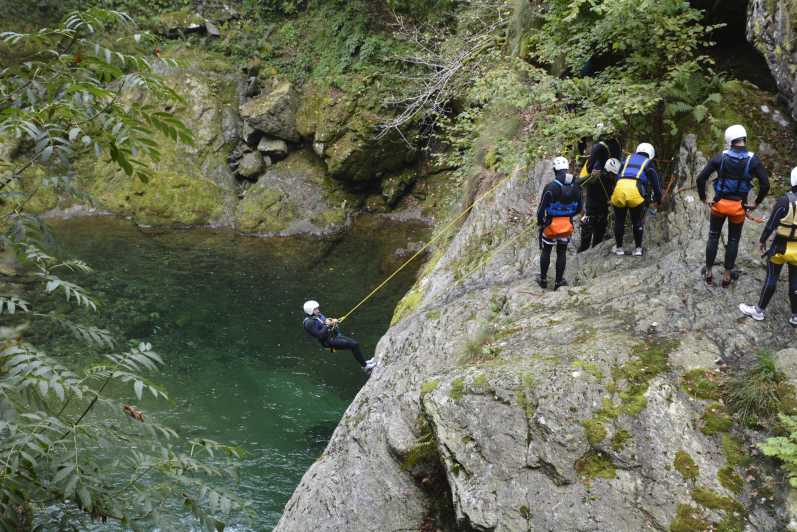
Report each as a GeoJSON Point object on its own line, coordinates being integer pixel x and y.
{"type": "Point", "coordinates": [225, 312]}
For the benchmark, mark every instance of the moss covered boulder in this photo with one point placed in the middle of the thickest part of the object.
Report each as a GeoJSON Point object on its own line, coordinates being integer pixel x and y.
{"type": "Point", "coordinates": [344, 127]}
{"type": "Point", "coordinates": [192, 184]}
{"type": "Point", "coordinates": [274, 112]}
{"type": "Point", "coordinates": [169, 198]}
{"type": "Point", "coordinates": [293, 197]}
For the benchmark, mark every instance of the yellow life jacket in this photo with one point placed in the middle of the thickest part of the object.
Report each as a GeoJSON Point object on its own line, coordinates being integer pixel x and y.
{"type": "Point", "coordinates": [787, 227]}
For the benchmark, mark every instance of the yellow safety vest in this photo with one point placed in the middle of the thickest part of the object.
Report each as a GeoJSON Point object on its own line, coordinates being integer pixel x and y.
{"type": "Point", "coordinates": [788, 224]}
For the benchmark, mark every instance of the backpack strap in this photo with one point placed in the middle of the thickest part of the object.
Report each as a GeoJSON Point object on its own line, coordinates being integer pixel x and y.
{"type": "Point", "coordinates": [642, 168]}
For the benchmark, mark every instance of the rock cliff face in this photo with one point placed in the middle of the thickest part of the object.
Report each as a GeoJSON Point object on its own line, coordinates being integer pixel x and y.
{"type": "Point", "coordinates": [770, 27]}
{"type": "Point", "coordinates": [499, 406]}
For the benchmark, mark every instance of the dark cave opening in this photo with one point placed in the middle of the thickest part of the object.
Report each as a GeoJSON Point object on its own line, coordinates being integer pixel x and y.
{"type": "Point", "coordinates": [734, 55]}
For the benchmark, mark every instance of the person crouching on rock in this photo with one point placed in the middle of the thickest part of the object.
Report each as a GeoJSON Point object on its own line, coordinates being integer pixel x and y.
{"type": "Point", "coordinates": [561, 200]}
{"type": "Point", "coordinates": [635, 183]}
{"type": "Point", "coordinates": [599, 188]}
{"type": "Point", "coordinates": [782, 222]}
{"type": "Point", "coordinates": [325, 330]}
{"type": "Point", "coordinates": [735, 168]}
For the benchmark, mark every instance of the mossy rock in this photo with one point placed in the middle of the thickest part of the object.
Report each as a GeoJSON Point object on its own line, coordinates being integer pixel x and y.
{"type": "Point", "coordinates": [688, 519]}
{"type": "Point", "coordinates": [264, 210]}
{"type": "Point", "coordinates": [685, 465]}
{"type": "Point", "coordinates": [595, 464]}
{"type": "Point", "coordinates": [293, 196]}
{"type": "Point", "coordinates": [168, 198]}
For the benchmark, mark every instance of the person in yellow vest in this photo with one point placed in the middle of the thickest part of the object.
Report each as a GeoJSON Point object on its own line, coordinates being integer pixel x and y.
{"type": "Point", "coordinates": [782, 222]}
{"type": "Point", "coordinates": [636, 183]}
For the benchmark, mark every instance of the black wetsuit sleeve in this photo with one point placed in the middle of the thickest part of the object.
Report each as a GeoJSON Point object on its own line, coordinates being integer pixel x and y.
{"type": "Point", "coordinates": [757, 169]}
{"type": "Point", "coordinates": [655, 182]}
{"type": "Point", "coordinates": [545, 201]}
{"type": "Point", "coordinates": [712, 166]}
{"type": "Point", "coordinates": [580, 197]}
{"type": "Point", "coordinates": [316, 329]}
{"type": "Point", "coordinates": [778, 212]}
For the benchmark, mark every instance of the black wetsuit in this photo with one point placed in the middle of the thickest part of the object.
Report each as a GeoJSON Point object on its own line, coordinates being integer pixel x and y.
{"type": "Point", "coordinates": [716, 223]}
{"type": "Point", "coordinates": [555, 196]}
{"type": "Point", "coordinates": [331, 338]}
{"type": "Point", "coordinates": [601, 152]}
{"type": "Point", "coordinates": [598, 192]}
{"type": "Point", "coordinates": [778, 246]}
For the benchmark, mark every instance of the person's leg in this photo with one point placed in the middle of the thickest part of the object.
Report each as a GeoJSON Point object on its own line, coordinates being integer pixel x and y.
{"type": "Point", "coordinates": [619, 225]}
{"type": "Point", "coordinates": [545, 260]}
{"type": "Point", "coordinates": [599, 228]}
{"type": "Point", "coordinates": [587, 229]}
{"type": "Point", "coordinates": [714, 230]}
{"type": "Point", "coordinates": [344, 342]}
{"type": "Point", "coordinates": [638, 223]}
{"type": "Point", "coordinates": [793, 289]}
{"type": "Point", "coordinates": [732, 249]}
{"type": "Point", "coordinates": [561, 261]}
{"type": "Point", "coordinates": [773, 272]}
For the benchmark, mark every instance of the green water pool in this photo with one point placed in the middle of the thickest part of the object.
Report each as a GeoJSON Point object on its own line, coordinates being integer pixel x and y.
{"type": "Point", "coordinates": [225, 313]}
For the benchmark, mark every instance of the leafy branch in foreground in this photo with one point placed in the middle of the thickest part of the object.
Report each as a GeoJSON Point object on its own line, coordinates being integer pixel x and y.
{"type": "Point", "coordinates": [69, 435]}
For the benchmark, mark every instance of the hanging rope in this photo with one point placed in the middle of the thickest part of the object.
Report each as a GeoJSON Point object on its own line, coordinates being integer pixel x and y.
{"type": "Point", "coordinates": [426, 246]}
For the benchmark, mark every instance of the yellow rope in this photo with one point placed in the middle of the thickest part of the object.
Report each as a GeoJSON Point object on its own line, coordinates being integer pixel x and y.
{"type": "Point", "coordinates": [424, 247]}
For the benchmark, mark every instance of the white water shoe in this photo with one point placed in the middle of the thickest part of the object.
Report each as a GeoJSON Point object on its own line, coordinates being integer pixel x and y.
{"type": "Point", "coordinates": [752, 311]}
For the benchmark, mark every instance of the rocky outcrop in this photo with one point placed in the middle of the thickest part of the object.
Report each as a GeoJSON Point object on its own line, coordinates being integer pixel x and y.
{"type": "Point", "coordinates": [771, 29]}
{"type": "Point", "coordinates": [499, 406]}
{"type": "Point", "coordinates": [293, 197]}
{"type": "Point", "coordinates": [274, 112]}
{"type": "Point", "coordinates": [344, 131]}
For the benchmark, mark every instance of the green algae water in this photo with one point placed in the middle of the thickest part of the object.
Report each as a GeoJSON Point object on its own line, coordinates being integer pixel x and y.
{"type": "Point", "coordinates": [225, 313]}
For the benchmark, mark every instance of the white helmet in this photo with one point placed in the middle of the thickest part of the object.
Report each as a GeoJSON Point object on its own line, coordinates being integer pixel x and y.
{"type": "Point", "coordinates": [794, 176]}
{"type": "Point", "coordinates": [734, 132]}
{"type": "Point", "coordinates": [560, 163]}
{"type": "Point", "coordinates": [612, 166]}
{"type": "Point", "coordinates": [310, 306]}
{"type": "Point", "coordinates": [647, 148]}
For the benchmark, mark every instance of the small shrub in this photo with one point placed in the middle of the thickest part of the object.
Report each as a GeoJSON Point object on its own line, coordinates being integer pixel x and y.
{"type": "Point", "coordinates": [756, 394]}
{"type": "Point", "coordinates": [784, 447]}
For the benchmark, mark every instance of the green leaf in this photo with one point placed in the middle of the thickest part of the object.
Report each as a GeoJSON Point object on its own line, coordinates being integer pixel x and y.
{"type": "Point", "coordinates": [138, 387]}
{"type": "Point", "coordinates": [85, 498]}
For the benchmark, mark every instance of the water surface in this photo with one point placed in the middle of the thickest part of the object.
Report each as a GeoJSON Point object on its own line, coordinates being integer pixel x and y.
{"type": "Point", "coordinates": [225, 312]}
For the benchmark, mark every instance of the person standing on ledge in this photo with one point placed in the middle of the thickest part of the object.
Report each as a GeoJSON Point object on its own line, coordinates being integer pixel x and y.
{"type": "Point", "coordinates": [782, 222]}
{"type": "Point", "coordinates": [561, 200]}
{"type": "Point", "coordinates": [735, 168]}
{"type": "Point", "coordinates": [636, 182]}
{"type": "Point", "coordinates": [325, 330]}
{"type": "Point", "coordinates": [599, 187]}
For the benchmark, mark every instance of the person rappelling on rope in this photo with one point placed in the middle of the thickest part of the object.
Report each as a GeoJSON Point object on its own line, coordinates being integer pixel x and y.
{"type": "Point", "coordinates": [636, 183]}
{"type": "Point", "coordinates": [561, 200]}
{"type": "Point", "coordinates": [782, 222]}
{"type": "Point", "coordinates": [326, 331]}
{"type": "Point", "coordinates": [735, 168]}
